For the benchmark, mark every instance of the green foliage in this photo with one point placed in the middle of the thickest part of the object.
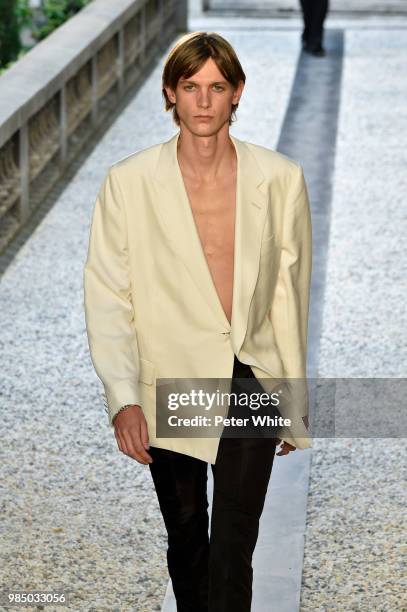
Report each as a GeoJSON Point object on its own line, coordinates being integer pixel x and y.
{"type": "Point", "coordinates": [10, 44]}
{"type": "Point", "coordinates": [24, 13]}
{"type": "Point", "coordinates": [14, 15]}
{"type": "Point", "coordinates": [56, 13]}
{"type": "Point", "coordinates": [17, 14]}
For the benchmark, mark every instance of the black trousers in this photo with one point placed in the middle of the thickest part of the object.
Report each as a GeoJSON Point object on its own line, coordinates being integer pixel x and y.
{"type": "Point", "coordinates": [214, 574]}
{"type": "Point", "coordinates": [314, 12]}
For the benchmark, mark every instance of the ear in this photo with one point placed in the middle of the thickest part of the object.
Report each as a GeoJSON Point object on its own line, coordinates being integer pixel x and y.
{"type": "Point", "coordinates": [238, 92]}
{"type": "Point", "coordinates": [171, 94]}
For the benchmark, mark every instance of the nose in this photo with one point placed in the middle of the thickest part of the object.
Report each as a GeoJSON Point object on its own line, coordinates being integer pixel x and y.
{"type": "Point", "coordinates": [204, 100]}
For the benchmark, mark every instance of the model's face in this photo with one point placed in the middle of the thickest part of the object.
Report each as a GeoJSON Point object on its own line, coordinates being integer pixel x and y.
{"type": "Point", "coordinates": [204, 100]}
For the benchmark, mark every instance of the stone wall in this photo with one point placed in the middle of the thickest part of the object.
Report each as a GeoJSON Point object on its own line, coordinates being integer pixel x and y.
{"type": "Point", "coordinates": [63, 89]}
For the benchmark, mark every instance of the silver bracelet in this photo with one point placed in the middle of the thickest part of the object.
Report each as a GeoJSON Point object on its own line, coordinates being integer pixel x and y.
{"type": "Point", "coordinates": [122, 408]}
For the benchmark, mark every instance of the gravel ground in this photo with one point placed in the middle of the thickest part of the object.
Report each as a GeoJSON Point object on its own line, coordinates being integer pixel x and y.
{"type": "Point", "coordinates": [77, 514]}
{"type": "Point", "coordinates": [356, 506]}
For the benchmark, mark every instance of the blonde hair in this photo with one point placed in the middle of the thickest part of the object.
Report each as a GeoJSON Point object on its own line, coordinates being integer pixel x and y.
{"type": "Point", "coordinates": [190, 53]}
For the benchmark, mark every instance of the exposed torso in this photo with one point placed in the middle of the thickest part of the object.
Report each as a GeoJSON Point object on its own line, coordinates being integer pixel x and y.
{"type": "Point", "coordinates": [214, 209]}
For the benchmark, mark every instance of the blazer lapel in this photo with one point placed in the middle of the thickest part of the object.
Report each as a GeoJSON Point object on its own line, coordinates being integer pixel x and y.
{"type": "Point", "coordinates": [251, 207]}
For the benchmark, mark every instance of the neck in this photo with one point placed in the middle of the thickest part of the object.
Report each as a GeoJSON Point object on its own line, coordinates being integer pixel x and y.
{"type": "Point", "coordinates": [206, 158]}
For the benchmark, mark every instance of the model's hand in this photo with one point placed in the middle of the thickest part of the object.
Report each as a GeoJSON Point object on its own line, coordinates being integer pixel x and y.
{"type": "Point", "coordinates": [130, 429]}
{"type": "Point", "coordinates": [286, 448]}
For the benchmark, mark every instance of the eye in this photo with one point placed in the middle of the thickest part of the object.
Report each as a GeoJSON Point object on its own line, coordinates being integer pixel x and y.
{"type": "Point", "coordinates": [188, 86]}
{"type": "Point", "coordinates": [219, 87]}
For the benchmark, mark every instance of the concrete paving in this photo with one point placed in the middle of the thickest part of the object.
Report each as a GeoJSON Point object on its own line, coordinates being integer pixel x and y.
{"type": "Point", "coordinates": [288, 7]}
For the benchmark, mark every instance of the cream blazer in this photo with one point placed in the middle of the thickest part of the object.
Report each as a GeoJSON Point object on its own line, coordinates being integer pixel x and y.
{"type": "Point", "coordinates": [151, 307]}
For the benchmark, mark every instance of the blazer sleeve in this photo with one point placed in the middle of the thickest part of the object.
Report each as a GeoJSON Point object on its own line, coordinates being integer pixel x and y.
{"type": "Point", "coordinates": [290, 305]}
{"type": "Point", "coordinates": [107, 300]}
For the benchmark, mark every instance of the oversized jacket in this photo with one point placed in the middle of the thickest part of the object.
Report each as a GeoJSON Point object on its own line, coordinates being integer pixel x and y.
{"type": "Point", "coordinates": [151, 307]}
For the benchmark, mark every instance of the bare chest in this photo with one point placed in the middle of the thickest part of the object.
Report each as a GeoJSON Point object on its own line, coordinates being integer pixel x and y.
{"type": "Point", "coordinates": [214, 210]}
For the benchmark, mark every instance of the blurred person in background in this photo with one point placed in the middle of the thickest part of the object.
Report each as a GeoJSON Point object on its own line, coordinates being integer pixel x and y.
{"type": "Point", "coordinates": [314, 13]}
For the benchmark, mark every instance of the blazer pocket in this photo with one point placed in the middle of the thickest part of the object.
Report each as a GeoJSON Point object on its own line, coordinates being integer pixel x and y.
{"type": "Point", "coordinates": [147, 372]}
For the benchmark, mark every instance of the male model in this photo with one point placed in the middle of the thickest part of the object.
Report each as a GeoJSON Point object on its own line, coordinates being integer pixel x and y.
{"type": "Point", "coordinates": [199, 266]}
